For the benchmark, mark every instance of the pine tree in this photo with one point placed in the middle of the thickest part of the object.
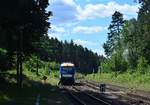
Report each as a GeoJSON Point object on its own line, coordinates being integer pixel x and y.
{"type": "Point", "coordinates": [114, 36]}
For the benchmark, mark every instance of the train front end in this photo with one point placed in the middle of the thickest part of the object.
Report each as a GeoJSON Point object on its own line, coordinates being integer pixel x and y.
{"type": "Point", "coordinates": [67, 72]}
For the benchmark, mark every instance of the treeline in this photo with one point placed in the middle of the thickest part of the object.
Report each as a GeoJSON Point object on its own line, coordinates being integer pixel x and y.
{"type": "Point", "coordinates": [128, 43]}
{"type": "Point", "coordinates": [23, 33]}
{"type": "Point", "coordinates": [51, 49]}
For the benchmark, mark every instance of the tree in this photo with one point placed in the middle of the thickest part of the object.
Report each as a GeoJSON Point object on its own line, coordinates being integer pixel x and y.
{"type": "Point", "coordinates": [144, 28]}
{"type": "Point", "coordinates": [114, 47]}
{"type": "Point", "coordinates": [132, 41]}
{"type": "Point", "coordinates": [22, 22]}
{"type": "Point", "coordinates": [114, 36]}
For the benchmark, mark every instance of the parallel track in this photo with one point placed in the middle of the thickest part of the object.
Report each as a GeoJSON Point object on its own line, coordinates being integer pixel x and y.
{"type": "Point", "coordinates": [128, 96]}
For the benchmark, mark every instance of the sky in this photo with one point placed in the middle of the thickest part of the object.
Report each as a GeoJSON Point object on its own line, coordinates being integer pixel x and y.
{"type": "Point", "coordinates": [86, 21]}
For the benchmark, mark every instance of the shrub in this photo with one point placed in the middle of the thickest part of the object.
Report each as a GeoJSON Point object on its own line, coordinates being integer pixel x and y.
{"type": "Point", "coordinates": [116, 63]}
{"type": "Point", "coordinates": [53, 65]}
{"type": "Point", "coordinates": [31, 64]}
{"type": "Point", "coordinates": [142, 65]}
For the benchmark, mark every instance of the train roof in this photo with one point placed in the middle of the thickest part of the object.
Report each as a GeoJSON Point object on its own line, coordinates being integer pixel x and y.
{"type": "Point", "coordinates": [67, 64]}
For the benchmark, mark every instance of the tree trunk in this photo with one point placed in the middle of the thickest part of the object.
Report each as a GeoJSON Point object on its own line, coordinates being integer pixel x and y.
{"type": "Point", "coordinates": [17, 68]}
{"type": "Point", "coordinates": [37, 69]}
{"type": "Point", "coordinates": [19, 59]}
{"type": "Point", "coordinates": [21, 55]}
{"type": "Point", "coordinates": [21, 76]}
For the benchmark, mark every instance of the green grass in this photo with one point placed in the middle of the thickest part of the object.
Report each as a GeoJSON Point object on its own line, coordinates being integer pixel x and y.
{"type": "Point", "coordinates": [135, 80]}
{"type": "Point", "coordinates": [33, 85]}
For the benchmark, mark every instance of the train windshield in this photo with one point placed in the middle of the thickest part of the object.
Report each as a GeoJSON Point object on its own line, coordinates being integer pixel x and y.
{"type": "Point", "coordinates": [67, 68]}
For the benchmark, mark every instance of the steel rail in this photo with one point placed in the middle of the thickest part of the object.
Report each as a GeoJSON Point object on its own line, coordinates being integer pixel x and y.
{"type": "Point", "coordinates": [93, 97]}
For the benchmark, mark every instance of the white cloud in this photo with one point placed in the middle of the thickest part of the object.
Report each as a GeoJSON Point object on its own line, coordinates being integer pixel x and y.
{"type": "Point", "coordinates": [69, 2]}
{"type": "Point", "coordinates": [90, 11]}
{"type": "Point", "coordinates": [87, 29]}
{"type": "Point", "coordinates": [64, 11]}
{"type": "Point", "coordinates": [53, 35]}
{"type": "Point", "coordinates": [69, 11]}
{"type": "Point", "coordinates": [84, 42]}
{"type": "Point", "coordinates": [99, 51]}
{"type": "Point", "coordinates": [56, 32]}
{"type": "Point", "coordinates": [56, 29]}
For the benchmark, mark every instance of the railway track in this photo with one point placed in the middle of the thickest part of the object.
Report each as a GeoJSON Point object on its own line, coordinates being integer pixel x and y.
{"type": "Point", "coordinates": [93, 97]}
{"type": "Point", "coordinates": [132, 99]}
{"type": "Point", "coordinates": [83, 98]}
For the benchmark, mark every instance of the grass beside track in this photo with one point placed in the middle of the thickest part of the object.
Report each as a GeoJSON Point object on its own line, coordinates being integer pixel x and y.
{"type": "Point", "coordinates": [135, 81]}
{"type": "Point", "coordinates": [33, 85]}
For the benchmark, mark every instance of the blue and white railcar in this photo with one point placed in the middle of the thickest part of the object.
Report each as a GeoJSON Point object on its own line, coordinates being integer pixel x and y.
{"type": "Point", "coordinates": [67, 72]}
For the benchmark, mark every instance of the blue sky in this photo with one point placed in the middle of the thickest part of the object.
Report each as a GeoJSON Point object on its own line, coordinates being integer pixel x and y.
{"type": "Point", "coordinates": [86, 21]}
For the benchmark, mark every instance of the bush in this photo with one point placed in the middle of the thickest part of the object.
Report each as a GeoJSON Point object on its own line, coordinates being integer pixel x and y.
{"type": "Point", "coordinates": [106, 66]}
{"type": "Point", "coordinates": [142, 65]}
{"type": "Point", "coordinates": [54, 65]}
{"type": "Point", "coordinates": [31, 64]}
{"type": "Point", "coordinates": [116, 63]}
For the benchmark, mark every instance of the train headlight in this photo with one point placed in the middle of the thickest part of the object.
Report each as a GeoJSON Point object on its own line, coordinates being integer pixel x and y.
{"type": "Point", "coordinates": [67, 75]}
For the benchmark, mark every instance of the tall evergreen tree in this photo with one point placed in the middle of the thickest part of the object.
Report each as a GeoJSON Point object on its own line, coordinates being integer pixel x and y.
{"type": "Point", "coordinates": [114, 35]}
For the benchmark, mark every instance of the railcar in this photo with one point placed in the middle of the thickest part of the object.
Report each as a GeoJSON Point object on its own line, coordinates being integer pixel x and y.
{"type": "Point", "coordinates": [67, 72]}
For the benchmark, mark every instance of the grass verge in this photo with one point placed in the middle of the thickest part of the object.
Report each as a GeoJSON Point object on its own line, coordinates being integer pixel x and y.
{"type": "Point", "coordinates": [33, 85]}
{"type": "Point", "coordinates": [134, 80]}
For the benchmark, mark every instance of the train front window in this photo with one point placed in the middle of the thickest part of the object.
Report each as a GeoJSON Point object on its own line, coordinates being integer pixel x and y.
{"type": "Point", "coordinates": [67, 68]}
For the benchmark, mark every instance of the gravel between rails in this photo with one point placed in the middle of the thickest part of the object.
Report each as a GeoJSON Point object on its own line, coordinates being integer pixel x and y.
{"type": "Point", "coordinates": [129, 97]}
{"type": "Point", "coordinates": [81, 97]}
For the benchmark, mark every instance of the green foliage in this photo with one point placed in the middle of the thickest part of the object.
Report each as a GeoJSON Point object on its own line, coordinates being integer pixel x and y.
{"type": "Point", "coordinates": [144, 28]}
{"type": "Point", "coordinates": [114, 36]}
{"type": "Point", "coordinates": [131, 41]}
{"type": "Point", "coordinates": [2, 51]}
{"type": "Point", "coordinates": [31, 63]}
{"type": "Point", "coordinates": [116, 63]}
{"type": "Point", "coordinates": [32, 86]}
{"type": "Point", "coordinates": [22, 22]}
{"type": "Point", "coordinates": [44, 68]}
{"type": "Point", "coordinates": [26, 17]}
{"type": "Point", "coordinates": [142, 65]}
{"type": "Point", "coordinates": [106, 66]}
{"type": "Point", "coordinates": [53, 50]}
{"type": "Point", "coordinates": [128, 44]}
{"type": "Point", "coordinates": [54, 65]}
{"type": "Point", "coordinates": [133, 80]}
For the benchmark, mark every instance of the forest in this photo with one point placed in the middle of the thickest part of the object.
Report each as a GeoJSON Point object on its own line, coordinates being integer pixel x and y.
{"type": "Point", "coordinates": [23, 36]}
{"type": "Point", "coordinates": [128, 43]}
{"type": "Point", "coordinates": [30, 58]}
{"type": "Point", "coordinates": [127, 51]}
